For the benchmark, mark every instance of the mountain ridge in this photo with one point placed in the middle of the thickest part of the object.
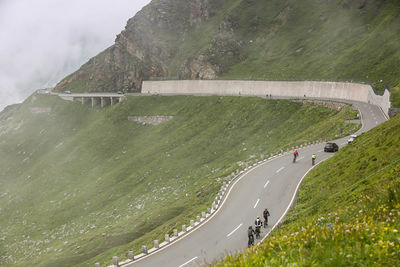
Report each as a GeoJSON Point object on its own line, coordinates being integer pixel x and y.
{"type": "Point", "coordinates": [250, 39]}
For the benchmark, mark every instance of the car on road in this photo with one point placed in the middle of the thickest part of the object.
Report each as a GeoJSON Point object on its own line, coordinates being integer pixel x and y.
{"type": "Point", "coordinates": [331, 147]}
{"type": "Point", "coordinates": [351, 139]}
{"type": "Point", "coordinates": [67, 92]}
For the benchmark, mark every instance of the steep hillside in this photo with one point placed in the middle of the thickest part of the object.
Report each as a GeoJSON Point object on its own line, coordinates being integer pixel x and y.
{"type": "Point", "coordinates": [79, 185]}
{"type": "Point", "coordinates": [347, 213]}
{"type": "Point", "coordinates": [351, 40]}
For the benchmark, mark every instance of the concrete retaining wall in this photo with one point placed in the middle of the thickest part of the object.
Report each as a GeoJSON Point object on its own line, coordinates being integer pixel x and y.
{"type": "Point", "coordinates": [381, 101]}
{"type": "Point", "coordinates": [334, 90]}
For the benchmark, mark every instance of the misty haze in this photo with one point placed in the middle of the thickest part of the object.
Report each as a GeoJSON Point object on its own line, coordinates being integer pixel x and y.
{"type": "Point", "coordinates": [221, 132]}
{"type": "Point", "coordinates": [44, 40]}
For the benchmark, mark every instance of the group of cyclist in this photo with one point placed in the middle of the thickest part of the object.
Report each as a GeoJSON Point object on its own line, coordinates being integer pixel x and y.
{"type": "Point", "coordinates": [258, 223]}
{"type": "Point", "coordinates": [296, 154]}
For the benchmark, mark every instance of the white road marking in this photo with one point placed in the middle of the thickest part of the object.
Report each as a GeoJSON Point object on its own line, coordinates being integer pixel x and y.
{"type": "Point", "coordinates": [300, 158]}
{"type": "Point", "coordinates": [266, 184]}
{"type": "Point", "coordinates": [320, 150]}
{"type": "Point", "coordinates": [255, 205]}
{"type": "Point", "coordinates": [280, 169]}
{"type": "Point", "coordinates": [188, 261]}
{"type": "Point", "coordinates": [234, 230]}
{"type": "Point", "coordinates": [343, 144]}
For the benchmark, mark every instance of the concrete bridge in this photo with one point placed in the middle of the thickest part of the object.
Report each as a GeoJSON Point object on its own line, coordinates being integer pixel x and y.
{"type": "Point", "coordinates": [94, 99]}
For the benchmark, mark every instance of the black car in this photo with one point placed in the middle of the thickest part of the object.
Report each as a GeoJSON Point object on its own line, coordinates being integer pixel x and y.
{"type": "Point", "coordinates": [331, 147]}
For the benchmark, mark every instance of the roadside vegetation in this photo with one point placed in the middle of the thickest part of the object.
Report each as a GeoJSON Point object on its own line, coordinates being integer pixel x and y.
{"type": "Point", "coordinates": [347, 213]}
{"type": "Point", "coordinates": [80, 185]}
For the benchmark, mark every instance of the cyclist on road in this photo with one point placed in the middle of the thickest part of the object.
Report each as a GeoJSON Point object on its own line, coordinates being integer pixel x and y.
{"type": "Point", "coordinates": [313, 158]}
{"type": "Point", "coordinates": [266, 214]}
{"type": "Point", "coordinates": [295, 155]}
{"type": "Point", "coordinates": [258, 224]}
{"type": "Point", "coordinates": [250, 234]}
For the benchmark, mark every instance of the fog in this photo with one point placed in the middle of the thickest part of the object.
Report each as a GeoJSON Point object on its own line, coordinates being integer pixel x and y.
{"type": "Point", "coordinates": [42, 41]}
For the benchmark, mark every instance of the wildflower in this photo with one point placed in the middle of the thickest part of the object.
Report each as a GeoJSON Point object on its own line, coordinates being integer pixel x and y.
{"type": "Point", "coordinates": [395, 230]}
{"type": "Point", "coordinates": [349, 256]}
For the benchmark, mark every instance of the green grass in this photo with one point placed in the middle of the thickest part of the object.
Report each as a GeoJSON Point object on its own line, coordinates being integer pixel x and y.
{"type": "Point", "coordinates": [347, 213]}
{"type": "Point", "coordinates": [308, 40]}
{"type": "Point", "coordinates": [79, 186]}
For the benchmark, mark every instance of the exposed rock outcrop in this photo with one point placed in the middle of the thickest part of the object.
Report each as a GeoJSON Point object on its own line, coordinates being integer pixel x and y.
{"type": "Point", "coordinates": [147, 48]}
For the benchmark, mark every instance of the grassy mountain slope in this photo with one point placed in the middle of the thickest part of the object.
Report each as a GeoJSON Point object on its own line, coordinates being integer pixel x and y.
{"type": "Point", "coordinates": [79, 185]}
{"type": "Point", "coordinates": [338, 40]}
{"type": "Point", "coordinates": [347, 213]}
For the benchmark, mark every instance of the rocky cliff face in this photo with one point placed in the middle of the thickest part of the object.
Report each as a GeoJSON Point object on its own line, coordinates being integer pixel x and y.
{"type": "Point", "coordinates": [352, 40]}
{"type": "Point", "coordinates": [149, 47]}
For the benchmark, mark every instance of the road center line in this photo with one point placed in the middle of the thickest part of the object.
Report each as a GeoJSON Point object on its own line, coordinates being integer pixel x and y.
{"type": "Point", "coordinates": [280, 169]}
{"type": "Point", "coordinates": [188, 262]}
{"type": "Point", "coordinates": [255, 205]}
{"type": "Point", "coordinates": [234, 230]}
{"type": "Point", "coordinates": [266, 184]}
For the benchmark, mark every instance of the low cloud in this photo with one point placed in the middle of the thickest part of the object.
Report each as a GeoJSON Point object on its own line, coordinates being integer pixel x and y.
{"type": "Point", "coordinates": [44, 40]}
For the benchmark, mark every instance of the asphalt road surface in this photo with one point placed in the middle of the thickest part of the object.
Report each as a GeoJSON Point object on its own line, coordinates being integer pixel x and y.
{"type": "Point", "coordinates": [271, 185]}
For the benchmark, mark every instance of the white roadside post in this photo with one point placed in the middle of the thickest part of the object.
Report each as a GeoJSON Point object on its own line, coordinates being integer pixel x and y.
{"type": "Point", "coordinates": [115, 261]}
{"type": "Point", "coordinates": [130, 255]}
